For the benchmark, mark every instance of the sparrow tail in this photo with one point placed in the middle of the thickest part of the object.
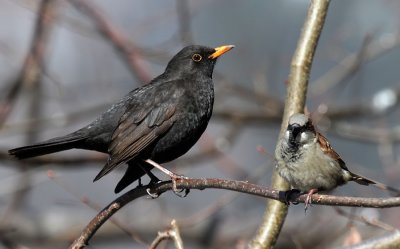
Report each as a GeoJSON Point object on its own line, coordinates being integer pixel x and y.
{"type": "Point", "coordinates": [366, 181]}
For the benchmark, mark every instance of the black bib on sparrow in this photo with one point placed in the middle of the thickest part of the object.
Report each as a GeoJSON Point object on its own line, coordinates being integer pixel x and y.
{"type": "Point", "coordinates": [159, 121]}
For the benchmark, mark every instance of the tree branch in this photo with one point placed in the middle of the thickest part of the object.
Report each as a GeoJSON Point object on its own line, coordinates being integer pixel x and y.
{"type": "Point", "coordinates": [238, 186]}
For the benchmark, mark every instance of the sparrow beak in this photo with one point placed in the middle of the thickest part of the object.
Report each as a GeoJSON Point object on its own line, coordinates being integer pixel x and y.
{"type": "Point", "coordinates": [220, 51]}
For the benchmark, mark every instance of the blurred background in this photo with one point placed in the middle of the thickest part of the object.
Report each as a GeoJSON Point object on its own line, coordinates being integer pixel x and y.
{"type": "Point", "coordinates": [61, 69]}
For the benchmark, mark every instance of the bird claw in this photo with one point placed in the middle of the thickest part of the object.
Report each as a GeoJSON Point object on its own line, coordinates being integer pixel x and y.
{"type": "Point", "coordinates": [152, 195]}
{"type": "Point", "coordinates": [153, 181]}
{"type": "Point", "coordinates": [175, 188]}
{"type": "Point", "coordinates": [308, 200]}
{"type": "Point", "coordinates": [174, 177]}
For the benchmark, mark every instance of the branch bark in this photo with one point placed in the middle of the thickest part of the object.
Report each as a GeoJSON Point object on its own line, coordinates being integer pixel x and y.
{"type": "Point", "coordinates": [276, 212]}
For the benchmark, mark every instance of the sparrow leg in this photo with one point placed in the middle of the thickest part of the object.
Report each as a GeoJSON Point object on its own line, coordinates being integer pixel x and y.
{"type": "Point", "coordinates": [308, 199]}
{"type": "Point", "coordinates": [173, 176]}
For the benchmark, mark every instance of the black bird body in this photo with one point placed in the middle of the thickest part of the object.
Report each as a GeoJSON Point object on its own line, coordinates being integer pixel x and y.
{"type": "Point", "coordinates": [159, 121]}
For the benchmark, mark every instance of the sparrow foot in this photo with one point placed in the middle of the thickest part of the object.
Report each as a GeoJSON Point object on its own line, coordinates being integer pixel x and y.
{"type": "Point", "coordinates": [308, 198]}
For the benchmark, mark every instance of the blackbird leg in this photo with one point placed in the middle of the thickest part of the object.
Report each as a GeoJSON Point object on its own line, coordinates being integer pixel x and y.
{"type": "Point", "coordinates": [173, 176]}
{"type": "Point", "coordinates": [153, 180]}
{"type": "Point", "coordinates": [308, 199]}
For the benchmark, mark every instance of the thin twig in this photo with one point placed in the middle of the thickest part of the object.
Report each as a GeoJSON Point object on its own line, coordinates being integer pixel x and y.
{"type": "Point", "coordinates": [171, 233]}
{"type": "Point", "coordinates": [352, 62]}
{"type": "Point", "coordinates": [365, 220]}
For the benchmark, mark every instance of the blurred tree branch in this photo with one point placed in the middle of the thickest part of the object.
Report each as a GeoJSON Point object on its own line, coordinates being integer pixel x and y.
{"type": "Point", "coordinates": [30, 78]}
{"type": "Point", "coordinates": [31, 71]}
{"type": "Point", "coordinates": [352, 63]}
{"type": "Point", "coordinates": [387, 241]}
{"type": "Point", "coordinates": [184, 22]}
{"type": "Point", "coordinates": [126, 48]}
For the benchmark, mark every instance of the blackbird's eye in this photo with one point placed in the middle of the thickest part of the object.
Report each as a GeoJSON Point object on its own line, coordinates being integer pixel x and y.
{"type": "Point", "coordinates": [196, 57]}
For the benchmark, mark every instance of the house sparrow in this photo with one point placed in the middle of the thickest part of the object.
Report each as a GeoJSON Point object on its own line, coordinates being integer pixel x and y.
{"type": "Point", "coordinates": [306, 160]}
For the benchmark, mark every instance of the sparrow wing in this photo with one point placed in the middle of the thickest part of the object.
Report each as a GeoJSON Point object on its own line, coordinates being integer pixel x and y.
{"type": "Point", "coordinates": [328, 150]}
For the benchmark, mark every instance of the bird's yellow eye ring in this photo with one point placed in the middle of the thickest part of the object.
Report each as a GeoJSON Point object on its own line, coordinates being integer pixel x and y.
{"type": "Point", "coordinates": [197, 57]}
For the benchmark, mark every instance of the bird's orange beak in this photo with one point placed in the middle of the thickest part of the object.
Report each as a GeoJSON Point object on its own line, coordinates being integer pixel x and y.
{"type": "Point", "coordinates": [220, 51]}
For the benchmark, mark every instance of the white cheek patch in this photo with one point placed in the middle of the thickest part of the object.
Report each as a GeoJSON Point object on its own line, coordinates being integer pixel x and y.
{"type": "Point", "coordinates": [303, 137]}
{"type": "Point", "coordinates": [287, 135]}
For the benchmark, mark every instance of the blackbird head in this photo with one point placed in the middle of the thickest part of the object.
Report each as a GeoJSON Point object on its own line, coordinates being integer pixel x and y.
{"type": "Point", "coordinates": [196, 60]}
{"type": "Point", "coordinates": [300, 130]}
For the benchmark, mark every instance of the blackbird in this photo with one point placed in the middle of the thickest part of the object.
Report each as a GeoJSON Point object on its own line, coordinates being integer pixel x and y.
{"type": "Point", "coordinates": [159, 121]}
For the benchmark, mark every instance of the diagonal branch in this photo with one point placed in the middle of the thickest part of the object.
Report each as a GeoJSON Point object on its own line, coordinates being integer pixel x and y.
{"type": "Point", "coordinates": [391, 240]}
{"type": "Point", "coordinates": [129, 52]}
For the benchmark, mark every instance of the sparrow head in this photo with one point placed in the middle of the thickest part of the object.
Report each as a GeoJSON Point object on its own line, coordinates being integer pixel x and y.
{"type": "Point", "coordinates": [300, 131]}
{"type": "Point", "coordinates": [196, 59]}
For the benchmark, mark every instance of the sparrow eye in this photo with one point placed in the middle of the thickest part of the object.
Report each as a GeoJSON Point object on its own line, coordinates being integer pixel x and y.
{"type": "Point", "coordinates": [196, 57]}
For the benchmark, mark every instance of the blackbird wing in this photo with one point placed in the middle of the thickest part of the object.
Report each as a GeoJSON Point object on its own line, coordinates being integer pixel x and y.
{"type": "Point", "coordinates": [138, 128]}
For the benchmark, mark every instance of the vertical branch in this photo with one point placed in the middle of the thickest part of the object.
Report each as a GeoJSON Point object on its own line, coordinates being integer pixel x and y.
{"type": "Point", "coordinates": [30, 78]}
{"type": "Point", "coordinates": [276, 211]}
